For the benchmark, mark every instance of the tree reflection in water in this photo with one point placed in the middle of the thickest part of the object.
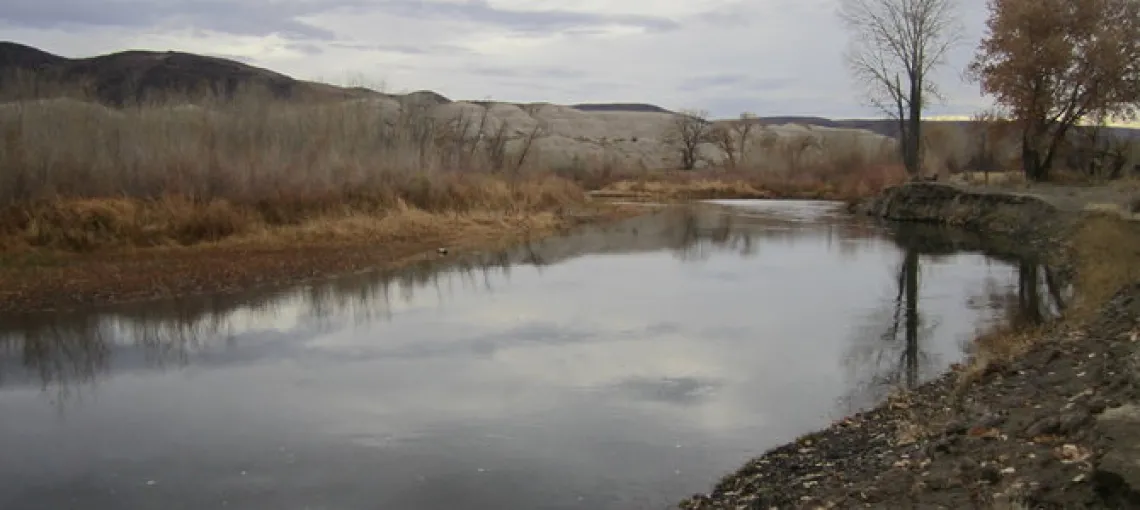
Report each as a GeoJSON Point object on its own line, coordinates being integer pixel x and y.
{"type": "Point", "coordinates": [888, 354]}
{"type": "Point", "coordinates": [63, 352]}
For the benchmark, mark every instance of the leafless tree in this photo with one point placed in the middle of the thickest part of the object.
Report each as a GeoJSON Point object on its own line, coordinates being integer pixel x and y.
{"type": "Point", "coordinates": [688, 130]}
{"type": "Point", "coordinates": [724, 136]}
{"type": "Point", "coordinates": [743, 129]}
{"type": "Point", "coordinates": [895, 46]}
{"type": "Point", "coordinates": [539, 130]}
{"type": "Point", "coordinates": [732, 138]}
{"type": "Point", "coordinates": [987, 129]}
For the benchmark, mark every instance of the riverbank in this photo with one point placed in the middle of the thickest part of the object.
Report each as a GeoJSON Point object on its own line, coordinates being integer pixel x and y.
{"type": "Point", "coordinates": [68, 253]}
{"type": "Point", "coordinates": [851, 184]}
{"type": "Point", "coordinates": [1042, 417]}
{"type": "Point", "coordinates": [52, 278]}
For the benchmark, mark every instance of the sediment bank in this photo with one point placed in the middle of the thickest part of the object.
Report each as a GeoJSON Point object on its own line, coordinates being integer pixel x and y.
{"type": "Point", "coordinates": [1045, 417]}
{"type": "Point", "coordinates": [1030, 223]}
{"type": "Point", "coordinates": [50, 280]}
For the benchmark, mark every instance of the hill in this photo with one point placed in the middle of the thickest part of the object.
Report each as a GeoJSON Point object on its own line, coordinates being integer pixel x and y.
{"type": "Point", "coordinates": [619, 107]}
{"type": "Point", "coordinates": [627, 135]}
{"type": "Point", "coordinates": [125, 76]}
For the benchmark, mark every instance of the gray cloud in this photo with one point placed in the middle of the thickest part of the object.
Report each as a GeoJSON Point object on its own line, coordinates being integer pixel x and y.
{"type": "Point", "coordinates": [739, 81]}
{"type": "Point", "coordinates": [479, 11]}
{"type": "Point", "coordinates": [305, 48]}
{"type": "Point", "coordinates": [497, 71]}
{"type": "Point", "coordinates": [244, 17]}
{"type": "Point", "coordinates": [772, 57]}
{"type": "Point", "coordinates": [404, 49]}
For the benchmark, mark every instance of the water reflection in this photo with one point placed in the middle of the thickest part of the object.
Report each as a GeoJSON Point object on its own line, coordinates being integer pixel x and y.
{"type": "Point", "coordinates": [66, 350]}
{"type": "Point", "coordinates": [888, 353]}
{"type": "Point", "coordinates": [619, 367]}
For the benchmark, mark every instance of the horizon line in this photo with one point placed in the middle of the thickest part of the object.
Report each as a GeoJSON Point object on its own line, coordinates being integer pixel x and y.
{"type": "Point", "coordinates": [1130, 125]}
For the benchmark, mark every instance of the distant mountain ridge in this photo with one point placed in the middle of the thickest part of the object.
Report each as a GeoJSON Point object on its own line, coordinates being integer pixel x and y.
{"type": "Point", "coordinates": [118, 78]}
{"type": "Point", "coordinates": [620, 107]}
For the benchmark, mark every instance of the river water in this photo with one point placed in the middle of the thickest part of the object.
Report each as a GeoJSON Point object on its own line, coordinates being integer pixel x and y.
{"type": "Point", "coordinates": [621, 367]}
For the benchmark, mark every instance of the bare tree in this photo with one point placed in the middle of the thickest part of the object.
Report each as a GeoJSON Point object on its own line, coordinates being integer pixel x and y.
{"type": "Point", "coordinates": [743, 129]}
{"type": "Point", "coordinates": [724, 137]}
{"type": "Point", "coordinates": [539, 130]}
{"type": "Point", "coordinates": [688, 130]}
{"type": "Point", "coordinates": [732, 137]}
{"type": "Point", "coordinates": [987, 128]}
{"type": "Point", "coordinates": [895, 45]}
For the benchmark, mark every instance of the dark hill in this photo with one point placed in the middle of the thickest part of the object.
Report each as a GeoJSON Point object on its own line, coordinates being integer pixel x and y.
{"type": "Point", "coordinates": [18, 56]}
{"type": "Point", "coordinates": [619, 107]}
{"type": "Point", "coordinates": [127, 76]}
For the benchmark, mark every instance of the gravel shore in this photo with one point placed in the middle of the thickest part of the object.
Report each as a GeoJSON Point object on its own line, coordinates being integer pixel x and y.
{"type": "Point", "coordinates": [1055, 427]}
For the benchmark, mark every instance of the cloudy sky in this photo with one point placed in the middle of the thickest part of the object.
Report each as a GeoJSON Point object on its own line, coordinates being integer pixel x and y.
{"type": "Point", "coordinates": [772, 57]}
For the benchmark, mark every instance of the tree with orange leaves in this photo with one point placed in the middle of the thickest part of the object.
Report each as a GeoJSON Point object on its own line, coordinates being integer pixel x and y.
{"type": "Point", "coordinates": [1053, 63]}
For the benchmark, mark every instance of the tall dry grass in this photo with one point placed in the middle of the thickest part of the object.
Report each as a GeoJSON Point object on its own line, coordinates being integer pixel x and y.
{"type": "Point", "coordinates": [78, 175]}
{"type": "Point", "coordinates": [828, 167]}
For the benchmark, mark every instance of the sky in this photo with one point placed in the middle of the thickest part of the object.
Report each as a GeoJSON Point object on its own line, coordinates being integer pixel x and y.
{"type": "Point", "coordinates": [771, 57]}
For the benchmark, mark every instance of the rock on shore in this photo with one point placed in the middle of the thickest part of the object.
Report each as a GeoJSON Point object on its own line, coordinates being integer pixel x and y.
{"type": "Point", "coordinates": [1058, 427]}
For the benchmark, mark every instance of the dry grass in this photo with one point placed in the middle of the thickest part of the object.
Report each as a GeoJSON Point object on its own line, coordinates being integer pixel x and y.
{"type": "Point", "coordinates": [1106, 251]}
{"type": "Point", "coordinates": [816, 164]}
{"type": "Point", "coordinates": [89, 224]}
{"type": "Point", "coordinates": [858, 183]}
{"type": "Point", "coordinates": [82, 177]}
{"type": "Point", "coordinates": [675, 186]}
{"type": "Point", "coordinates": [994, 348]}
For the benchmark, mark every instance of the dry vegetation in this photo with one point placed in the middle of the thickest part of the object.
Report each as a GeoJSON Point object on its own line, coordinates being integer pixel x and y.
{"type": "Point", "coordinates": [1106, 255]}
{"type": "Point", "coordinates": [89, 192]}
{"type": "Point", "coordinates": [812, 165]}
{"type": "Point", "coordinates": [79, 176]}
{"type": "Point", "coordinates": [1107, 252]}
{"type": "Point", "coordinates": [849, 185]}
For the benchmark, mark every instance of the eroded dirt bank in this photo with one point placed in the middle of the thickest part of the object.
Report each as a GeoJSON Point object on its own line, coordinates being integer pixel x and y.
{"type": "Point", "coordinates": [1045, 417]}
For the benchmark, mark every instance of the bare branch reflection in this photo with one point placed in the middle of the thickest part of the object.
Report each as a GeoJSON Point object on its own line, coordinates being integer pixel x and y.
{"type": "Point", "coordinates": [888, 353]}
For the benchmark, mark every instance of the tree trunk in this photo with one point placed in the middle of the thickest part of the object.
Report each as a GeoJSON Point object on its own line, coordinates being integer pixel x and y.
{"type": "Point", "coordinates": [914, 130]}
{"type": "Point", "coordinates": [1031, 163]}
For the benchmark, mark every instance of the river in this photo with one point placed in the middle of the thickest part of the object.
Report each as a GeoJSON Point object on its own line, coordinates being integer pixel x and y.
{"type": "Point", "coordinates": [619, 367]}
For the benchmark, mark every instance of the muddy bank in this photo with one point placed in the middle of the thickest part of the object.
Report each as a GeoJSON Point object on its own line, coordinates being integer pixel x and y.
{"type": "Point", "coordinates": [53, 281]}
{"type": "Point", "coordinates": [1056, 426]}
{"type": "Point", "coordinates": [1021, 219]}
